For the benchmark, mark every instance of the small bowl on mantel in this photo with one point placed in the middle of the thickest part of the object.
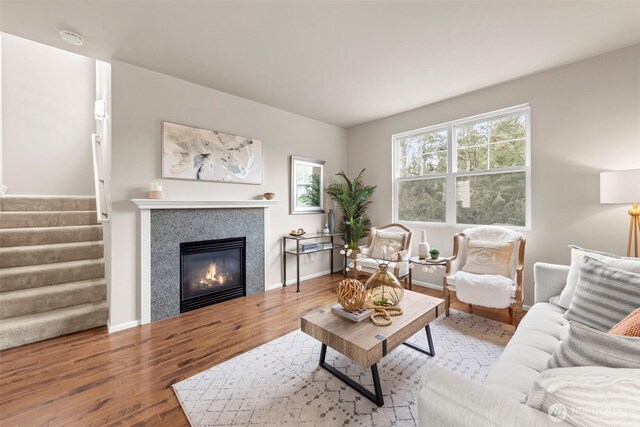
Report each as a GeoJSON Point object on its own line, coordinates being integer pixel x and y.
{"type": "Point", "coordinates": [269, 196]}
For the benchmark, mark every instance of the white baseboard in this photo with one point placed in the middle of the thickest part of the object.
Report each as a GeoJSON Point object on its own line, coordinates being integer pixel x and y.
{"type": "Point", "coordinates": [427, 285]}
{"type": "Point", "coordinates": [302, 278]}
{"type": "Point", "coordinates": [122, 326]}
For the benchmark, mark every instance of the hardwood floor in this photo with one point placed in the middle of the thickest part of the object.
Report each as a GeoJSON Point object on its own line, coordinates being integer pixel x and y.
{"type": "Point", "coordinates": [124, 378]}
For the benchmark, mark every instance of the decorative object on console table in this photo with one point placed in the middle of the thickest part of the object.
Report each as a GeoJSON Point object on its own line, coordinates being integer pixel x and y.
{"type": "Point", "coordinates": [155, 191]}
{"type": "Point", "coordinates": [309, 247]}
{"type": "Point", "coordinates": [297, 233]}
{"type": "Point", "coordinates": [423, 246]}
{"type": "Point", "coordinates": [623, 187]}
{"type": "Point", "coordinates": [206, 155]}
{"type": "Point", "coordinates": [269, 196]}
{"type": "Point", "coordinates": [331, 221]}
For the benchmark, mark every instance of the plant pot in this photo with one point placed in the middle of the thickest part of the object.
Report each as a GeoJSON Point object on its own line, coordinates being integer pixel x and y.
{"type": "Point", "coordinates": [383, 288]}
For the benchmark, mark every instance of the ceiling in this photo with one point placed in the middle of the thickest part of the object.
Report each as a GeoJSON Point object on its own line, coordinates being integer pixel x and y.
{"type": "Point", "coordinates": [343, 63]}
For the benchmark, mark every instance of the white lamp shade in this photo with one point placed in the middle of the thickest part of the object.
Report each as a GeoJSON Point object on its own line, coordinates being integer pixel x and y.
{"type": "Point", "coordinates": [620, 186]}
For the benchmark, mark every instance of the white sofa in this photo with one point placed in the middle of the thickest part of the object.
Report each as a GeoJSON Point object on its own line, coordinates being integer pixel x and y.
{"type": "Point", "coordinates": [446, 399]}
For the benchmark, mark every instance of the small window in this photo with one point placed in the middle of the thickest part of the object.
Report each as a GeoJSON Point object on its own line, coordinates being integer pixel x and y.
{"type": "Point", "coordinates": [469, 172]}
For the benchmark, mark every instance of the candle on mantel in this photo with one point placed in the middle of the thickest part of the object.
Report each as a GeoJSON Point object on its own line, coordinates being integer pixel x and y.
{"type": "Point", "coordinates": [155, 190]}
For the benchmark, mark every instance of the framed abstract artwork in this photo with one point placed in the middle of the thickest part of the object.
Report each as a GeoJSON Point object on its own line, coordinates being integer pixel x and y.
{"type": "Point", "coordinates": [205, 155]}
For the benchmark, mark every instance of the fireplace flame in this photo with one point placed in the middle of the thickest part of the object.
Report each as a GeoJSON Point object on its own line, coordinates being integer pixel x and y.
{"type": "Point", "coordinates": [211, 273]}
{"type": "Point", "coordinates": [212, 277]}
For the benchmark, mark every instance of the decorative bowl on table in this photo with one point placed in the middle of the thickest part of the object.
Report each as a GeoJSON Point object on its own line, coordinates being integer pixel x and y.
{"type": "Point", "coordinates": [269, 196]}
{"type": "Point", "coordinates": [297, 233]}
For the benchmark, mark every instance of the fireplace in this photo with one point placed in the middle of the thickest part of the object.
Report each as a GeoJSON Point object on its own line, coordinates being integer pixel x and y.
{"type": "Point", "coordinates": [212, 271]}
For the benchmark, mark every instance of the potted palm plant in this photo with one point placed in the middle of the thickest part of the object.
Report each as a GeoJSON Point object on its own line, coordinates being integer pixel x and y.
{"type": "Point", "coordinates": [352, 196]}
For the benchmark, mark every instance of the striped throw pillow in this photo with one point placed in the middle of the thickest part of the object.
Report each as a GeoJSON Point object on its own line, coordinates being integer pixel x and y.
{"type": "Point", "coordinates": [585, 346]}
{"type": "Point", "coordinates": [577, 260]}
{"type": "Point", "coordinates": [604, 295]}
{"type": "Point", "coordinates": [588, 396]}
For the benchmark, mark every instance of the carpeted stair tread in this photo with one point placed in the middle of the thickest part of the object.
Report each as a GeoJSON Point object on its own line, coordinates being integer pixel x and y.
{"type": "Point", "coordinates": [47, 219]}
{"type": "Point", "coordinates": [49, 254]}
{"type": "Point", "coordinates": [34, 276]}
{"type": "Point", "coordinates": [35, 327]}
{"type": "Point", "coordinates": [38, 300]}
{"type": "Point", "coordinates": [47, 203]}
{"type": "Point", "coordinates": [10, 237]}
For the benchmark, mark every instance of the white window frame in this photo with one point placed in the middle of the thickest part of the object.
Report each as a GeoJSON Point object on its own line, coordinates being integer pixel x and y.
{"type": "Point", "coordinates": [452, 172]}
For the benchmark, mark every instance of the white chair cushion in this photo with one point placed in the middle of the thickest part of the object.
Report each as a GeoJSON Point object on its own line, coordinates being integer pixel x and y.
{"type": "Point", "coordinates": [487, 290]}
{"type": "Point", "coordinates": [370, 266]}
{"type": "Point", "coordinates": [391, 240]}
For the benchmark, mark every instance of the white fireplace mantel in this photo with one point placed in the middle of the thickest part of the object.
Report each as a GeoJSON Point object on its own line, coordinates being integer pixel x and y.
{"type": "Point", "coordinates": [146, 205]}
{"type": "Point", "coordinates": [201, 204]}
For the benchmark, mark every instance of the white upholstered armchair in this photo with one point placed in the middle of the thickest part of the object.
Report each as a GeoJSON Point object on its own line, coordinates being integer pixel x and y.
{"type": "Point", "coordinates": [486, 269]}
{"type": "Point", "coordinates": [386, 237]}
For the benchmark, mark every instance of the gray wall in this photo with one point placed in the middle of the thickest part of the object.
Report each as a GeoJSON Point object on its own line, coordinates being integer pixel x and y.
{"type": "Point", "coordinates": [142, 99]}
{"type": "Point", "coordinates": [585, 118]}
{"type": "Point", "coordinates": [47, 104]}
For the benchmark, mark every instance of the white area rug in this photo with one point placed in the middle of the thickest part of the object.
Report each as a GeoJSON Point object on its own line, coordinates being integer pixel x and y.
{"type": "Point", "coordinates": [281, 384]}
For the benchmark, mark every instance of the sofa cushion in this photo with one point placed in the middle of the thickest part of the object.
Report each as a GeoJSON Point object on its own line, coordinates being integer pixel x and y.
{"type": "Point", "coordinates": [629, 326]}
{"type": "Point", "coordinates": [578, 258]}
{"type": "Point", "coordinates": [610, 395]}
{"type": "Point", "coordinates": [370, 266]}
{"type": "Point", "coordinates": [539, 334]}
{"type": "Point", "coordinates": [604, 295]}
{"type": "Point", "coordinates": [589, 347]}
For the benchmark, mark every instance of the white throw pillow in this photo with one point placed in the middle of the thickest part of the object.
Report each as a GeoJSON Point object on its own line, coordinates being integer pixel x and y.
{"type": "Point", "coordinates": [588, 396]}
{"type": "Point", "coordinates": [392, 240]}
{"type": "Point", "coordinates": [578, 259]}
{"type": "Point", "coordinates": [486, 257]}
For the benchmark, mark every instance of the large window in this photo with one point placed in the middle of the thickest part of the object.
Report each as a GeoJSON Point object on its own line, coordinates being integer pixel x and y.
{"type": "Point", "coordinates": [470, 172]}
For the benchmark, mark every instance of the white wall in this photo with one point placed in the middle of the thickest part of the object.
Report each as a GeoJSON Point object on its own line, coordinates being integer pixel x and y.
{"type": "Point", "coordinates": [585, 118]}
{"type": "Point", "coordinates": [47, 104]}
{"type": "Point", "coordinates": [142, 99]}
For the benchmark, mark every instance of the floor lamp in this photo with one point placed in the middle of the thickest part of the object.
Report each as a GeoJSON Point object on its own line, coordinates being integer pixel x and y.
{"type": "Point", "coordinates": [624, 187]}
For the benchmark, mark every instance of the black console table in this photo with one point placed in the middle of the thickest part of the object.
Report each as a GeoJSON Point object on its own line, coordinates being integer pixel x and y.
{"type": "Point", "coordinates": [325, 242]}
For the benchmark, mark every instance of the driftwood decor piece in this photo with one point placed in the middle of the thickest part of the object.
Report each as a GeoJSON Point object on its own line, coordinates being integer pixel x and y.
{"type": "Point", "coordinates": [352, 295]}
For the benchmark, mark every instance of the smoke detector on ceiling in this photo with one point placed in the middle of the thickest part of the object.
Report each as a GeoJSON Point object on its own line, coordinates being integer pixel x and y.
{"type": "Point", "coordinates": [72, 37]}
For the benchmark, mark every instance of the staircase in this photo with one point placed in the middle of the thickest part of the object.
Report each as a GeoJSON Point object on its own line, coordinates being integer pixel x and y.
{"type": "Point", "coordinates": [51, 268]}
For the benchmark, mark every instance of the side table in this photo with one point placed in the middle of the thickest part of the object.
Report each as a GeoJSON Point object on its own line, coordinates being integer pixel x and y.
{"type": "Point", "coordinates": [427, 263]}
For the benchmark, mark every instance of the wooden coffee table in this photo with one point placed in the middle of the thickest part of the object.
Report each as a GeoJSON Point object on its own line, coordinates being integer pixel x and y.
{"type": "Point", "coordinates": [366, 343]}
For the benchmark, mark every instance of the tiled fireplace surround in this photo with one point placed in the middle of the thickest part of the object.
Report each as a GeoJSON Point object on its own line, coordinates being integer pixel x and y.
{"type": "Point", "coordinates": [165, 224]}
